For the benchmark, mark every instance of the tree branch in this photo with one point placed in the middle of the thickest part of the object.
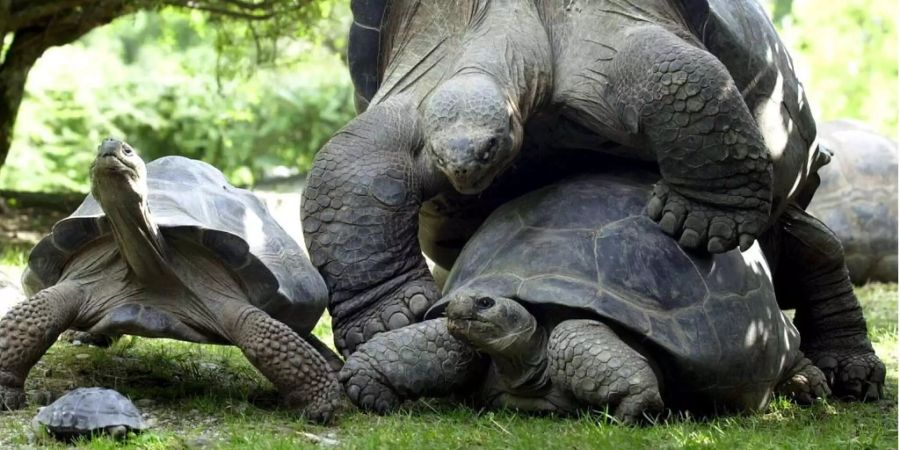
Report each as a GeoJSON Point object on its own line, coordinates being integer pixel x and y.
{"type": "Point", "coordinates": [193, 4]}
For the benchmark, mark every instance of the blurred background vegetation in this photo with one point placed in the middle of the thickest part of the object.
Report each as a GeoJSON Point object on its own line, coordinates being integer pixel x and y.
{"type": "Point", "coordinates": [175, 81]}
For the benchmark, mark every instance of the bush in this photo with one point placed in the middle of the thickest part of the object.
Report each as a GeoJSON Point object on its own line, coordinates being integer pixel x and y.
{"type": "Point", "coordinates": [152, 79]}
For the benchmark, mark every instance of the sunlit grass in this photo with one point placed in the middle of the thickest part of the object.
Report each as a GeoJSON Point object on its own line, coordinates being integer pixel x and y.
{"type": "Point", "coordinates": [207, 396]}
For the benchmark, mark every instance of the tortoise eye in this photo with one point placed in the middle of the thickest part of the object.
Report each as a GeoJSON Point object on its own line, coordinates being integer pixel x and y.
{"type": "Point", "coordinates": [484, 302]}
{"type": "Point", "coordinates": [127, 150]}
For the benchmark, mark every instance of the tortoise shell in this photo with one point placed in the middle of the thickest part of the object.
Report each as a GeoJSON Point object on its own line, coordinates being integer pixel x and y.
{"type": "Point", "coordinates": [88, 410]}
{"type": "Point", "coordinates": [737, 32]}
{"type": "Point", "coordinates": [857, 198]}
{"type": "Point", "coordinates": [190, 199]}
{"type": "Point", "coordinates": [585, 247]}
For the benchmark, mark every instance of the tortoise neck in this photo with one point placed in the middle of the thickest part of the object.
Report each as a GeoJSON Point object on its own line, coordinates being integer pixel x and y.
{"type": "Point", "coordinates": [137, 236]}
{"type": "Point", "coordinates": [511, 45]}
{"type": "Point", "coordinates": [522, 367]}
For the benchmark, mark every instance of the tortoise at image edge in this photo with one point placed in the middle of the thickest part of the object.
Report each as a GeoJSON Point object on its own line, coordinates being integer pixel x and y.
{"type": "Point", "coordinates": [88, 411]}
{"type": "Point", "coordinates": [172, 250]}
{"type": "Point", "coordinates": [858, 198]}
{"type": "Point", "coordinates": [559, 308]}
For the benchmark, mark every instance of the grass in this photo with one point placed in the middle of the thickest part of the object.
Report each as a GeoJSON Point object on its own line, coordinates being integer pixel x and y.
{"type": "Point", "coordinates": [204, 396]}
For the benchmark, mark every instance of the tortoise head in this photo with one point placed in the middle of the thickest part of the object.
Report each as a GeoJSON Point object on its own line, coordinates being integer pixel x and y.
{"type": "Point", "coordinates": [118, 173]}
{"type": "Point", "coordinates": [473, 131]}
{"type": "Point", "coordinates": [494, 325]}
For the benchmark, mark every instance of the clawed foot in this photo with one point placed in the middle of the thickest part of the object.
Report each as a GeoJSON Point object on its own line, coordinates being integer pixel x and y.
{"type": "Point", "coordinates": [403, 307]}
{"type": "Point", "coordinates": [640, 408]}
{"type": "Point", "coordinates": [852, 375]}
{"type": "Point", "coordinates": [703, 226]}
{"type": "Point", "coordinates": [806, 385]}
{"type": "Point", "coordinates": [11, 398]}
{"type": "Point", "coordinates": [363, 385]}
{"type": "Point", "coordinates": [323, 408]}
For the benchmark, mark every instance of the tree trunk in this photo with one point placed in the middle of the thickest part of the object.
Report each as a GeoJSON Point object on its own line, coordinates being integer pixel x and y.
{"type": "Point", "coordinates": [13, 73]}
{"type": "Point", "coordinates": [29, 43]}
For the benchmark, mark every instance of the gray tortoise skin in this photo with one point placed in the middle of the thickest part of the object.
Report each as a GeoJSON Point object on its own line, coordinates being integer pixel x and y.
{"type": "Point", "coordinates": [451, 94]}
{"type": "Point", "coordinates": [170, 249]}
{"type": "Point", "coordinates": [88, 411]}
{"type": "Point", "coordinates": [570, 298]}
{"type": "Point", "coordinates": [857, 198]}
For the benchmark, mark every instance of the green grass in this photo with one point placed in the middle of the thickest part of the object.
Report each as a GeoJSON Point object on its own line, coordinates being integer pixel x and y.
{"type": "Point", "coordinates": [206, 396]}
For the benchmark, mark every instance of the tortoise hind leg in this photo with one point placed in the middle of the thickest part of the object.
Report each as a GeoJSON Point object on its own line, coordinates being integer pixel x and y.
{"type": "Point", "coordinates": [589, 360]}
{"type": "Point", "coordinates": [28, 330]}
{"type": "Point", "coordinates": [296, 369]}
{"type": "Point", "coordinates": [811, 276]}
{"type": "Point", "coordinates": [805, 384]}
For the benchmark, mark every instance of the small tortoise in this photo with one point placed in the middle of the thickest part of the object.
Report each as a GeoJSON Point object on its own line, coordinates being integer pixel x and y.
{"type": "Point", "coordinates": [454, 91]}
{"type": "Point", "coordinates": [88, 411]}
{"type": "Point", "coordinates": [858, 198]}
{"type": "Point", "coordinates": [172, 250]}
{"type": "Point", "coordinates": [570, 298]}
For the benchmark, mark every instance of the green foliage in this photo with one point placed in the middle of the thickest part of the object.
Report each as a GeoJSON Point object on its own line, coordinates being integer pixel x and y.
{"type": "Point", "coordinates": [846, 55]}
{"type": "Point", "coordinates": [185, 82]}
{"type": "Point", "coordinates": [157, 80]}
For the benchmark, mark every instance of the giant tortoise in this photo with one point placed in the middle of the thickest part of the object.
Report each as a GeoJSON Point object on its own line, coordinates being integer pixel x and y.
{"type": "Point", "coordinates": [570, 298]}
{"type": "Point", "coordinates": [857, 198]}
{"type": "Point", "coordinates": [453, 93]}
{"type": "Point", "coordinates": [172, 250]}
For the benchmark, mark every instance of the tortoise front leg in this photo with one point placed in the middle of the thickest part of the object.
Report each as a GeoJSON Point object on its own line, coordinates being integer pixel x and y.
{"type": "Point", "coordinates": [360, 222]}
{"type": "Point", "coordinates": [295, 367]}
{"type": "Point", "coordinates": [421, 360]}
{"type": "Point", "coordinates": [28, 330]}
{"type": "Point", "coordinates": [589, 360]}
{"type": "Point", "coordinates": [812, 277]}
{"type": "Point", "coordinates": [716, 191]}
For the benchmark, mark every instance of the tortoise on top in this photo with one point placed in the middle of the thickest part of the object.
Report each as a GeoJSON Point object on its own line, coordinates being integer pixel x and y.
{"type": "Point", "coordinates": [457, 93]}
{"type": "Point", "coordinates": [858, 198]}
{"type": "Point", "coordinates": [570, 298]}
{"type": "Point", "coordinates": [172, 250]}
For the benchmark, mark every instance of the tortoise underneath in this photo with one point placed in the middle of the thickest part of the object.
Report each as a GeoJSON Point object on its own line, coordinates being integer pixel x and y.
{"type": "Point", "coordinates": [172, 250]}
{"type": "Point", "coordinates": [569, 298]}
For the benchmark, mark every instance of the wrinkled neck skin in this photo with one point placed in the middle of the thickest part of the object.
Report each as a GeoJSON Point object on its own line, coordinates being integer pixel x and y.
{"type": "Point", "coordinates": [512, 47]}
{"type": "Point", "coordinates": [137, 236]}
{"type": "Point", "coordinates": [520, 360]}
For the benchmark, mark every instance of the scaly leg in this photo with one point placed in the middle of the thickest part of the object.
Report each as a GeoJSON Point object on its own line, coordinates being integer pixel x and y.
{"type": "Point", "coordinates": [28, 330]}
{"type": "Point", "coordinates": [588, 359]}
{"type": "Point", "coordinates": [811, 276]}
{"type": "Point", "coordinates": [421, 360]}
{"type": "Point", "coordinates": [716, 191]}
{"type": "Point", "coordinates": [296, 369]}
{"type": "Point", "coordinates": [360, 222]}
